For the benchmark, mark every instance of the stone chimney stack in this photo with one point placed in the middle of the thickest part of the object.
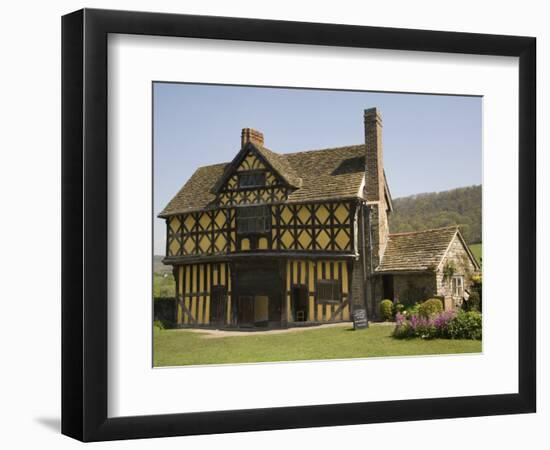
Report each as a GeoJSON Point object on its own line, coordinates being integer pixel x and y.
{"type": "Point", "coordinates": [375, 184]}
{"type": "Point", "coordinates": [374, 162]}
{"type": "Point", "coordinates": [252, 136]}
{"type": "Point", "coordinates": [378, 207]}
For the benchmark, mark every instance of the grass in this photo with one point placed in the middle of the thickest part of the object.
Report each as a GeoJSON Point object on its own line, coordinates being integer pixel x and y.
{"type": "Point", "coordinates": [183, 347]}
{"type": "Point", "coordinates": [476, 250]}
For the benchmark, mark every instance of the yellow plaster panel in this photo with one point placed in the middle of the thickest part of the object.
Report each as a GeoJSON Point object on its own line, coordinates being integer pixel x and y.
{"type": "Point", "coordinates": [222, 274]}
{"type": "Point", "coordinates": [245, 244]}
{"type": "Point", "coordinates": [286, 239]}
{"type": "Point", "coordinates": [174, 224]}
{"type": "Point", "coordinates": [323, 239]}
{"type": "Point", "coordinates": [344, 277]}
{"type": "Point", "coordinates": [189, 246]}
{"type": "Point", "coordinates": [194, 307]}
{"type": "Point", "coordinates": [200, 301]}
{"type": "Point", "coordinates": [205, 221]}
{"type": "Point", "coordinates": [286, 215]}
{"type": "Point", "coordinates": [304, 239]}
{"type": "Point", "coordinates": [220, 219]}
{"type": "Point", "coordinates": [174, 247]}
{"type": "Point", "coordinates": [189, 222]}
{"type": "Point", "coordinates": [319, 313]}
{"type": "Point", "coordinates": [194, 278]}
{"type": "Point", "coordinates": [311, 312]}
{"type": "Point", "coordinates": [221, 242]}
{"type": "Point", "coordinates": [342, 239]}
{"type": "Point", "coordinates": [311, 284]}
{"type": "Point", "coordinates": [187, 305]}
{"type": "Point", "coordinates": [322, 214]}
{"type": "Point", "coordinates": [263, 244]}
{"type": "Point", "coordinates": [303, 214]}
{"type": "Point", "coordinates": [329, 312]}
{"type": "Point", "coordinates": [261, 308]}
{"type": "Point", "coordinates": [341, 213]}
{"type": "Point", "coordinates": [345, 313]}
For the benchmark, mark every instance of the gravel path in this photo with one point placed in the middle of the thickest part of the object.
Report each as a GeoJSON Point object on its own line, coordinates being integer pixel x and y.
{"type": "Point", "coordinates": [212, 334]}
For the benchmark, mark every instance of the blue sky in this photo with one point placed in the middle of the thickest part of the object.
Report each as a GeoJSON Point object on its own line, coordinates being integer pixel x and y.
{"type": "Point", "coordinates": [431, 142]}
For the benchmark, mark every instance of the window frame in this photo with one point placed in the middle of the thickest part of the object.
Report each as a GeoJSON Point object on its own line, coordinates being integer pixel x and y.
{"type": "Point", "coordinates": [265, 217]}
{"type": "Point", "coordinates": [335, 287]}
{"type": "Point", "coordinates": [454, 285]}
{"type": "Point", "coordinates": [251, 173]}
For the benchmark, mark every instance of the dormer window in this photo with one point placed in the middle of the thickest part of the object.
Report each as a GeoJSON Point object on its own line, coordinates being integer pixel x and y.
{"type": "Point", "coordinates": [252, 178]}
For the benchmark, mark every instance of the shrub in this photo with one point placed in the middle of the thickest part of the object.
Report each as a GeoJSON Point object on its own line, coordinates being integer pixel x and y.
{"type": "Point", "coordinates": [411, 310]}
{"type": "Point", "coordinates": [158, 324]}
{"type": "Point", "coordinates": [465, 325]}
{"type": "Point", "coordinates": [473, 303]}
{"type": "Point", "coordinates": [398, 308]}
{"type": "Point", "coordinates": [164, 310]}
{"type": "Point", "coordinates": [423, 327]}
{"type": "Point", "coordinates": [446, 325]}
{"type": "Point", "coordinates": [386, 309]}
{"type": "Point", "coordinates": [430, 308]}
{"type": "Point", "coordinates": [402, 328]}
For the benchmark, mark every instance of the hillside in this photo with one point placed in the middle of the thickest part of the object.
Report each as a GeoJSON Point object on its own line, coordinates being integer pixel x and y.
{"type": "Point", "coordinates": [460, 206]}
{"type": "Point", "coordinates": [159, 267]}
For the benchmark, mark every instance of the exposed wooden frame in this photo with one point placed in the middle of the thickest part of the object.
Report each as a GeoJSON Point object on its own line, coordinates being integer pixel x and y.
{"type": "Point", "coordinates": [84, 224]}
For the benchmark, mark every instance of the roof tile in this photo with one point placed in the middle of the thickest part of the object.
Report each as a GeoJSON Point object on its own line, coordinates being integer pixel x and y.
{"type": "Point", "coordinates": [416, 251]}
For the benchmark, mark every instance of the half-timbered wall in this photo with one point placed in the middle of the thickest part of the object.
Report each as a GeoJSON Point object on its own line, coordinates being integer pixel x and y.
{"type": "Point", "coordinates": [194, 286]}
{"type": "Point", "coordinates": [323, 227]}
{"type": "Point", "coordinates": [308, 274]}
{"type": "Point", "coordinates": [202, 233]}
{"type": "Point", "coordinates": [274, 190]}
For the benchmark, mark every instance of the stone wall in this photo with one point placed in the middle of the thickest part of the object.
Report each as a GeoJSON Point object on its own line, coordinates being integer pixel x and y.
{"type": "Point", "coordinates": [416, 287]}
{"type": "Point", "coordinates": [458, 258]}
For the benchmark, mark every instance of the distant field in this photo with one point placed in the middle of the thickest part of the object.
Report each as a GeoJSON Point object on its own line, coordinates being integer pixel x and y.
{"type": "Point", "coordinates": [476, 250]}
{"type": "Point", "coordinates": [182, 347]}
{"type": "Point", "coordinates": [163, 285]}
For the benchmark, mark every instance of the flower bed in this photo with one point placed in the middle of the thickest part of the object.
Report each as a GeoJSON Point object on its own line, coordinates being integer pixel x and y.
{"type": "Point", "coordinates": [445, 325]}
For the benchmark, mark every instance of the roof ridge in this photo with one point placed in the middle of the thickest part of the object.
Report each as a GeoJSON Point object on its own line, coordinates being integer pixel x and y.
{"type": "Point", "coordinates": [425, 231]}
{"type": "Point", "coordinates": [322, 149]}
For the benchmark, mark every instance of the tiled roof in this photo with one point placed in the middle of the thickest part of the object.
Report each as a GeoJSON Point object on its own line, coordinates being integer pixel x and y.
{"type": "Point", "coordinates": [196, 193]}
{"type": "Point", "coordinates": [333, 173]}
{"type": "Point", "coordinates": [416, 251]}
{"type": "Point", "coordinates": [281, 165]}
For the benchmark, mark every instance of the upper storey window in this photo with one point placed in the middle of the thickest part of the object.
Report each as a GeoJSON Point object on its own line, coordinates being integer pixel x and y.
{"type": "Point", "coordinates": [253, 219]}
{"type": "Point", "coordinates": [252, 178]}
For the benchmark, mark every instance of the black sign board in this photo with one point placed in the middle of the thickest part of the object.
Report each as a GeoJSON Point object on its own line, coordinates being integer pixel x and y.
{"type": "Point", "coordinates": [360, 318]}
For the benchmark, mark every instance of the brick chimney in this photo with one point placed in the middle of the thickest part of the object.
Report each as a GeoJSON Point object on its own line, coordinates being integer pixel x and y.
{"type": "Point", "coordinates": [375, 185]}
{"type": "Point", "coordinates": [374, 162]}
{"type": "Point", "coordinates": [252, 136]}
{"type": "Point", "coordinates": [376, 214]}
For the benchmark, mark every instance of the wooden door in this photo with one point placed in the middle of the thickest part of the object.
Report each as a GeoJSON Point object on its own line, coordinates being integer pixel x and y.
{"type": "Point", "coordinates": [299, 303]}
{"type": "Point", "coordinates": [217, 307]}
{"type": "Point", "coordinates": [246, 311]}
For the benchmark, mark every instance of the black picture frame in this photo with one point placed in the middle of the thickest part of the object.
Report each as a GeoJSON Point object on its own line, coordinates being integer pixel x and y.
{"type": "Point", "coordinates": [84, 224]}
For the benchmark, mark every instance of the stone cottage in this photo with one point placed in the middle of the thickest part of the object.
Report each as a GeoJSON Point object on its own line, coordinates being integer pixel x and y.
{"type": "Point", "coordinates": [278, 240]}
{"type": "Point", "coordinates": [424, 264]}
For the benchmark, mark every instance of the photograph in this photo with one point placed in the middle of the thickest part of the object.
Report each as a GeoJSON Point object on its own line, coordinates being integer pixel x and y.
{"type": "Point", "coordinates": [299, 224]}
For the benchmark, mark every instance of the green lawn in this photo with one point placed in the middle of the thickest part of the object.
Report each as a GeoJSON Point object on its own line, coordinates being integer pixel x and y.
{"type": "Point", "coordinates": [183, 347]}
{"type": "Point", "coordinates": [476, 250]}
